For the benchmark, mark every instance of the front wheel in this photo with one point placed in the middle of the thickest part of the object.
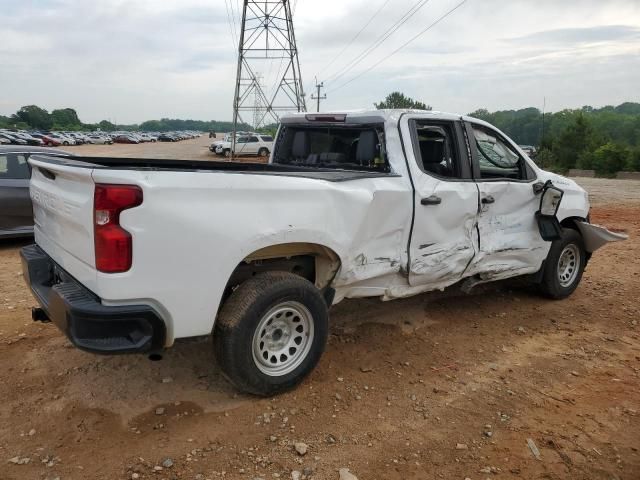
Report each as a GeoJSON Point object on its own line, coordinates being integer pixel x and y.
{"type": "Point", "coordinates": [227, 153]}
{"type": "Point", "coordinates": [564, 265]}
{"type": "Point", "coordinates": [271, 332]}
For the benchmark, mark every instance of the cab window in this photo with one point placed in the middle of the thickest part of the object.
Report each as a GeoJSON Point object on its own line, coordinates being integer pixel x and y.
{"type": "Point", "coordinates": [435, 150]}
{"type": "Point", "coordinates": [496, 158]}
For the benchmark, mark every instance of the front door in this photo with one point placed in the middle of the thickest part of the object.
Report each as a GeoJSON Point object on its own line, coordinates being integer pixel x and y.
{"type": "Point", "coordinates": [444, 237]}
{"type": "Point", "coordinates": [16, 214]}
{"type": "Point", "coordinates": [510, 242]}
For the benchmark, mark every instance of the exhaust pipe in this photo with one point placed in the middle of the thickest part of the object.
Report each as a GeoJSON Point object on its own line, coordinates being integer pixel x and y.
{"type": "Point", "coordinates": [39, 315]}
{"type": "Point", "coordinates": [155, 356]}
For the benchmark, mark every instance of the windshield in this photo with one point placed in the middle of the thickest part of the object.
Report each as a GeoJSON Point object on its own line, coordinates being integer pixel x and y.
{"type": "Point", "coordinates": [339, 147]}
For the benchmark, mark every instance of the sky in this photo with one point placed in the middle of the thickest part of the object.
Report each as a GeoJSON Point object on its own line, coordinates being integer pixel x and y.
{"type": "Point", "coordinates": [130, 61]}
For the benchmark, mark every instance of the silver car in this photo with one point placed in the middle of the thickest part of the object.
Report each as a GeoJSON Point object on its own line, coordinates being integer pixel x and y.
{"type": "Point", "coordinates": [16, 214]}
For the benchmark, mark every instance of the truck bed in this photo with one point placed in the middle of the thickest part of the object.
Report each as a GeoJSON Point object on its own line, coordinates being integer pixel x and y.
{"type": "Point", "coordinates": [147, 164]}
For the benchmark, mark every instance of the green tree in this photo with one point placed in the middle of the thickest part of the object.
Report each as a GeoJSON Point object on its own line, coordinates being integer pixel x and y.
{"type": "Point", "coordinates": [399, 100]}
{"type": "Point", "coordinates": [574, 141]}
{"type": "Point", "coordinates": [633, 162]}
{"type": "Point", "coordinates": [106, 126]}
{"type": "Point", "coordinates": [66, 117]}
{"type": "Point", "coordinates": [610, 158]}
{"type": "Point", "coordinates": [34, 116]}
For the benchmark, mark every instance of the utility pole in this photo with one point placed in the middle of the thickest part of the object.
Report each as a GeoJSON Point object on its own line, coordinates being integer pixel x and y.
{"type": "Point", "coordinates": [267, 35]}
{"type": "Point", "coordinates": [319, 97]}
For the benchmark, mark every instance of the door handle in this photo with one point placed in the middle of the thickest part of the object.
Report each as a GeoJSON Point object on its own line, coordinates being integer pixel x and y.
{"type": "Point", "coordinates": [431, 200]}
{"type": "Point", "coordinates": [488, 199]}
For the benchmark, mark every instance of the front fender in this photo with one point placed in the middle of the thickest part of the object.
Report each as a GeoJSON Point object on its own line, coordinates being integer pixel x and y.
{"type": "Point", "coordinates": [595, 236]}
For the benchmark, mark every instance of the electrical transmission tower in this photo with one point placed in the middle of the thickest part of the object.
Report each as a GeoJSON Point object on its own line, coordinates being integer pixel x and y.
{"type": "Point", "coordinates": [267, 37]}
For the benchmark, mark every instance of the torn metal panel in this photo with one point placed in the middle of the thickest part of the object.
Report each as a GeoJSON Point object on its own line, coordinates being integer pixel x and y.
{"type": "Point", "coordinates": [595, 236]}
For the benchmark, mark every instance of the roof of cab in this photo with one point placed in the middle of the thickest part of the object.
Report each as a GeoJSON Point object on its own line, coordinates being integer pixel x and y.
{"type": "Point", "coordinates": [358, 116]}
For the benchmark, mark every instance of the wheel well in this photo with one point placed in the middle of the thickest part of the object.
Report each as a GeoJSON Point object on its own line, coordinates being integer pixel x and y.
{"type": "Point", "coordinates": [570, 222]}
{"type": "Point", "coordinates": [316, 263]}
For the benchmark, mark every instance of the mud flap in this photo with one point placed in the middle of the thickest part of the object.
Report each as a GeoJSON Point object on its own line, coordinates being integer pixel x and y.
{"type": "Point", "coordinates": [595, 236]}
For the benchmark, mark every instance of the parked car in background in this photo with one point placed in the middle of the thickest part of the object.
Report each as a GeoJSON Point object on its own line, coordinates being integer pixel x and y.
{"type": "Point", "coordinates": [253, 144]}
{"type": "Point", "coordinates": [36, 142]}
{"type": "Point", "coordinates": [98, 139]}
{"type": "Point", "coordinates": [4, 141]}
{"type": "Point", "coordinates": [64, 139]}
{"type": "Point", "coordinates": [13, 139]}
{"type": "Point", "coordinates": [126, 138]}
{"type": "Point", "coordinates": [48, 140]}
{"type": "Point", "coordinates": [148, 138]}
{"type": "Point", "coordinates": [16, 214]}
{"type": "Point", "coordinates": [167, 137]}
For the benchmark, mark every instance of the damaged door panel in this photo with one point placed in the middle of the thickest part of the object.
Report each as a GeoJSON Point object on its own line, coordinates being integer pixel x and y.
{"type": "Point", "coordinates": [443, 239]}
{"type": "Point", "coordinates": [510, 242]}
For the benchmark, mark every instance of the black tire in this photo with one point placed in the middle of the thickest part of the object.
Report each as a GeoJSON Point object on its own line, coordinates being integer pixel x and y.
{"type": "Point", "coordinates": [246, 310]}
{"type": "Point", "coordinates": [227, 153]}
{"type": "Point", "coordinates": [263, 152]}
{"type": "Point", "coordinates": [552, 285]}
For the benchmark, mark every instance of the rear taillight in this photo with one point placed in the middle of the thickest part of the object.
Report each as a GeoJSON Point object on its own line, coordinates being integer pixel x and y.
{"type": "Point", "coordinates": [113, 243]}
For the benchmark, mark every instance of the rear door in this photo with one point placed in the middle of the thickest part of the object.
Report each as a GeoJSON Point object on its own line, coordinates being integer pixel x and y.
{"type": "Point", "coordinates": [510, 242]}
{"type": "Point", "coordinates": [16, 216]}
{"type": "Point", "coordinates": [252, 145]}
{"type": "Point", "coordinates": [444, 239]}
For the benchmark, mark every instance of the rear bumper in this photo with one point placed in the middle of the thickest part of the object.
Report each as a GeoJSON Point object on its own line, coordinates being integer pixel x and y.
{"type": "Point", "coordinates": [80, 314]}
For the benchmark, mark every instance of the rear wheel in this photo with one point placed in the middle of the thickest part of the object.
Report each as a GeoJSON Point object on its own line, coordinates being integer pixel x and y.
{"type": "Point", "coordinates": [227, 153]}
{"type": "Point", "coordinates": [263, 152]}
{"type": "Point", "coordinates": [564, 265]}
{"type": "Point", "coordinates": [271, 332]}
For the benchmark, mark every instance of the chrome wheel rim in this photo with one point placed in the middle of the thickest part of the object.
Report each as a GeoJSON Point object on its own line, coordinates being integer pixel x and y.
{"type": "Point", "coordinates": [568, 265]}
{"type": "Point", "coordinates": [283, 339]}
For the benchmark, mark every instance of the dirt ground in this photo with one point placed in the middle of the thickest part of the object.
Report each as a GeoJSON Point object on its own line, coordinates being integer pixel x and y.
{"type": "Point", "coordinates": [432, 387]}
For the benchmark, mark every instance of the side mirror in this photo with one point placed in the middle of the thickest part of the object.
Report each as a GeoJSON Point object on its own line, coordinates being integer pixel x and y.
{"type": "Point", "coordinates": [550, 201]}
{"type": "Point", "coordinates": [548, 223]}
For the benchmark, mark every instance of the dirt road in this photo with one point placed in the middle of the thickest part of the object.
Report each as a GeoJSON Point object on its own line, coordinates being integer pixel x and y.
{"type": "Point", "coordinates": [431, 387]}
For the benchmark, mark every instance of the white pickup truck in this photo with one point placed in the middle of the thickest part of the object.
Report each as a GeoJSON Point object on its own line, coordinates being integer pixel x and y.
{"type": "Point", "coordinates": [132, 254]}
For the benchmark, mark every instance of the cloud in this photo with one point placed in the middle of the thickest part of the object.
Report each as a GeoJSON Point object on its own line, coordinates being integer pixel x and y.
{"type": "Point", "coordinates": [132, 61]}
{"type": "Point", "coordinates": [574, 36]}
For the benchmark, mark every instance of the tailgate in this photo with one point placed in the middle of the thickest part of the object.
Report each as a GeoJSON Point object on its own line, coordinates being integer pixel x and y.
{"type": "Point", "coordinates": [62, 197]}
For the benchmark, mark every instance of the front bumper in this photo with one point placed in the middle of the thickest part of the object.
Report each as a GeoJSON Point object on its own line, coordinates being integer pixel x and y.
{"type": "Point", "coordinates": [80, 314]}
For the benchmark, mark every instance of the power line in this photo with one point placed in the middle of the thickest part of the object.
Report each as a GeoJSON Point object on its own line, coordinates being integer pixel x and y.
{"type": "Point", "coordinates": [449, 12]}
{"type": "Point", "coordinates": [355, 37]}
{"type": "Point", "coordinates": [390, 31]}
{"type": "Point", "coordinates": [231, 24]}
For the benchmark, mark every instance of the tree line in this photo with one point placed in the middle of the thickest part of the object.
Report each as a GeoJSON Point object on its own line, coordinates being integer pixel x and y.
{"type": "Point", "coordinates": [605, 139]}
{"type": "Point", "coordinates": [33, 117]}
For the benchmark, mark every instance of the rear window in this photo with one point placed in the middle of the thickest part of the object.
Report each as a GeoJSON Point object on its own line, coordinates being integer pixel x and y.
{"type": "Point", "coordinates": [267, 138]}
{"type": "Point", "coordinates": [340, 147]}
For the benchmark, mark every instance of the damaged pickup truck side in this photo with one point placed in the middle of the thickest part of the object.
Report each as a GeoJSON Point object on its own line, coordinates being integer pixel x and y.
{"type": "Point", "coordinates": [132, 254]}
